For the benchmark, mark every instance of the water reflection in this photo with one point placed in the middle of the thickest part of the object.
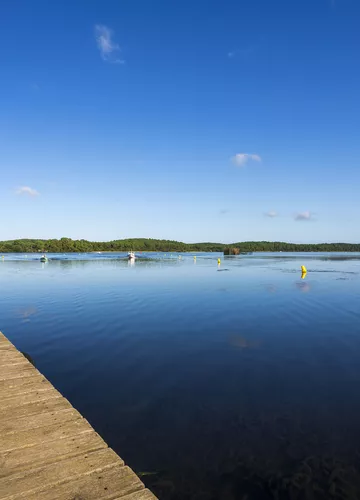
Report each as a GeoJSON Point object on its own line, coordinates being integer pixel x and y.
{"type": "Point", "coordinates": [232, 391]}
{"type": "Point", "coordinates": [303, 286]}
{"type": "Point", "coordinates": [26, 313]}
{"type": "Point", "coordinates": [241, 342]}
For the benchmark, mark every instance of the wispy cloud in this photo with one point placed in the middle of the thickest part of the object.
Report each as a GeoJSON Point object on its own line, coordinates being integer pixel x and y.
{"type": "Point", "coordinates": [109, 50]}
{"type": "Point", "coordinates": [241, 159]}
{"type": "Point", "coordinates": [271, 214]}
{"type": "Point", "coordinates": [242, 53]}
{"type": "Point", "coordinates": [304, 216]}
{"type": "Point", "coordinates": [27, 191]}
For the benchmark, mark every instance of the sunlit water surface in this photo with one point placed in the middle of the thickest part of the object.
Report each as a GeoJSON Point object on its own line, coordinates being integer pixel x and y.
{"type": "Point", "coordinates": [212, 382]}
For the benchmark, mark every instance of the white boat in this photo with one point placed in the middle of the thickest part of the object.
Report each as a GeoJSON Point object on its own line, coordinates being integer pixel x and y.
{"type": "Point", "coordinates": [131, 256]}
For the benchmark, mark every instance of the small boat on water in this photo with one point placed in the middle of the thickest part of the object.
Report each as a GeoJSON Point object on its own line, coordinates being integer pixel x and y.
{"type": "Point", "coordinates": [131, 256]}
{"type": "Point", "coordinates": [43, 258]}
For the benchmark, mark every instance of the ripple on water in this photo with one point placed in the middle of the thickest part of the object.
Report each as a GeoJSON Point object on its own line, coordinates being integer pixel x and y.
{"type": "Point", "coordinates": [213, 395]}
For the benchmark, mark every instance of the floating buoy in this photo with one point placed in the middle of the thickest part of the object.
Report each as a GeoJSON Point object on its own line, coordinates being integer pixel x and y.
{"type": "Point", "coordinates": [303, 274]}
{"type": "Point", "coordinates": [303, 269]}
{"type": "Point", "coordinates": [194, 257]}
{"type": "Point", "coordinates": [219, 262]}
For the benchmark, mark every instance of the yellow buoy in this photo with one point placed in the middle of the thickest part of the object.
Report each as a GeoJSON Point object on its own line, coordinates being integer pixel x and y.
{"type": "Point", "coordinates": [303, 269]}
{"type": "Point", "coordinates": [303, 274]}
{"type": "Point", "coordinates": [219, 262]}
{"type": "Point", "coordinates": [194, 257]}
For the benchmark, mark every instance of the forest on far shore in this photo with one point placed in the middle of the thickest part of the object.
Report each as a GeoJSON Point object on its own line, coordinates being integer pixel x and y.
{"type": "Point", "coordinates": [151, 245]}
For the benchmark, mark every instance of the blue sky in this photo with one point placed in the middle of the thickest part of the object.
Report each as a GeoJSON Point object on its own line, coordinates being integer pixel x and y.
{"type": "Point", "coordinates": [191, 120]}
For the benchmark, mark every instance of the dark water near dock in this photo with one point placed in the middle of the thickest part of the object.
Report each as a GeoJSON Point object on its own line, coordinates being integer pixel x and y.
{"type": "Point", "coordinates": [242, 384]}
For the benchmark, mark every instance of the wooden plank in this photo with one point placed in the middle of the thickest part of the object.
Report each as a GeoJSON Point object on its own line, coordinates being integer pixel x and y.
{"type": "Point", "coordinates": [39, 479]}
{"type": "Point", "coordinates": [22, 361]}
{"type": "Point", "coordinates": [32, 397]}
{"type": "Point", "coordinates": [5, 347]}
{"type": "Point", "coordinates": [138, 495]}
{"type": "Point", "coordinates": [55, 418]}
{"type": "Point", "coordinates": [110, 483]}
{"type": "Point", "coordinates": [51, 404]}
{"type": "Point", "coordinates": [19, 370]}
{"type": "Point", "coordinates": [10, 356]}
{"type": "Point", "coordinates": [4, 339]}
{"type": "Point", "coordinates": [5, 344]}
{"type": "Point", "coordinates": [38, 435]}
{"type": "Point", "coordinates": [24, 385]}
{"type": "Point", "coordinates": [48, 452]}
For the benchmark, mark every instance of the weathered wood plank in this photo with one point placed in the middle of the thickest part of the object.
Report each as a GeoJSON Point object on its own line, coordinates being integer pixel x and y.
{"type": "Point", "coordinates": [138, 495]}
{"type": "Point", "coordinates": [11, 356]}
{"type": "Point", "coordinates": [24, 385]}
{"type": "Point", "coordinates": [38, 435]}
{"type": "Point", "coordinates": [32, 397]}
{"type": "Point", "coordinates": [5, 343]}
{"type": "Point", "coordinates": [57, 418]}
{"type": "Point", "coordinates": [48, 452]}
{"type": "Point", "coordinates": [110, 483]}
{"type": "Point", "coordinates": [5, 347]}
{"type": "Point", "coordinates": [23, 369]}
{"type": "Point", "coordinates": [51, 404]}
{"type": "Point", "coordinates": [38, 479]}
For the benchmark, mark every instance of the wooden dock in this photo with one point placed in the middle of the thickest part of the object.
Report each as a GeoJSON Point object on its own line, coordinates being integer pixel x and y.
{"type": "Point", "coordinates": [48, 451]}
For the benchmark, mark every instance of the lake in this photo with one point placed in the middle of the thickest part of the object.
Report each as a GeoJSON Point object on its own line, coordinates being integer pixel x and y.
{"type": "Point", "coordinates": [212, 382]}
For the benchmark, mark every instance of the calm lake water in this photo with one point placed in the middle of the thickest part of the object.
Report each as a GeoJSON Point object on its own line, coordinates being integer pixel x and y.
{"type": "Point", "coordinates": [239, 381]}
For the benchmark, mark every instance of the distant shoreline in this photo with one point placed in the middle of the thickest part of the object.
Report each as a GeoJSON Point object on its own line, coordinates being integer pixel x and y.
{"type": "Point", "coordinates": [67, 245]}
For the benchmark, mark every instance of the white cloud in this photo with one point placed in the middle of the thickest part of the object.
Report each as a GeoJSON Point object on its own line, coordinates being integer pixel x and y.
{"type": "Point", "coordinates": [271, 214]}
{"type": "Point", "coordinates": [242, 53]}
{"type": "Point", "coordinates": [241, 159]}
{"type": "Point", "coordinates": [109, 50]}
{"type": "Point", "coordinates": [304, 216]}
{"type": "Point", "coordinates": [26, 190]}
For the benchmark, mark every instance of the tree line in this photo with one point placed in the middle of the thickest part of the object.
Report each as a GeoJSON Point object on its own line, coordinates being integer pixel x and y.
{"type": "Point", "coordinates": [152, 245]}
